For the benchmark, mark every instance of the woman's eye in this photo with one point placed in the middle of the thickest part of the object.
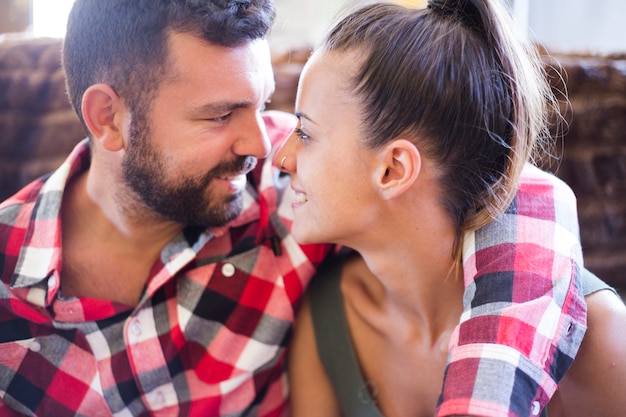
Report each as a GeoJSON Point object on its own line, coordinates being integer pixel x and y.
{"type": "Point", "coordinates": [301, 135]}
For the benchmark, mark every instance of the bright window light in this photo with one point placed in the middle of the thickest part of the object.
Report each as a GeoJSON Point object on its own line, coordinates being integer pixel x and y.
{"type": "Point", "coordinates": [50, 17]}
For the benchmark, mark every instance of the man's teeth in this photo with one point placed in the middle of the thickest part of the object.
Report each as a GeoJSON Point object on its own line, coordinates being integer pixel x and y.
{"type": "Point", "coordinates": [301, 198]}
{"type": "Point", "coordinates": [231, 177]}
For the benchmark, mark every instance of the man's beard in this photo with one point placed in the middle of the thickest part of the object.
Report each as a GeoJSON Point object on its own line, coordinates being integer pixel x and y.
{"type": "Point", "coordinates": [184, 200]}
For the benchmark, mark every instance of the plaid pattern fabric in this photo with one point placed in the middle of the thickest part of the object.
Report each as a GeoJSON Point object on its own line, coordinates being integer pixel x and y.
{"type": "Point", "coordinates": [207, 338]}
{"type": "Point", "coordinates": [524, 313]}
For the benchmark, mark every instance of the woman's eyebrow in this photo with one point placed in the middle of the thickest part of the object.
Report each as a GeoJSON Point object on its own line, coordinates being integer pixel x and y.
{"type": "Point", "coordinates": [301, 115]}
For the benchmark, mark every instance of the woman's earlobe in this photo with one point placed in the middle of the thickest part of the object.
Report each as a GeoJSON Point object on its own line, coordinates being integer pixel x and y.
{"type": "Point", "coordinates": [101, 108]}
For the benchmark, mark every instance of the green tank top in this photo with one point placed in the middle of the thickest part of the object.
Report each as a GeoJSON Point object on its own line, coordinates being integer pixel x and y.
{"type": "Point", "coordinates": [334, 344]}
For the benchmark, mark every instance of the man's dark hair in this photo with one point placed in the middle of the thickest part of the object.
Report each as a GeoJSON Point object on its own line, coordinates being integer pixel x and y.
{"type": "Point", "coordinates": [123, 43]}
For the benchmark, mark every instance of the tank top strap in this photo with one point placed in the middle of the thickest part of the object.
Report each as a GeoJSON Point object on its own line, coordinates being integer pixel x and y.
{"type": "Point", "coordinates": [334, 344]}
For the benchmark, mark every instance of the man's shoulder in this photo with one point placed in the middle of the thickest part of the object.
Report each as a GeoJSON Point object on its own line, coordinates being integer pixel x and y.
{"type": "Point", "coordinates": [24, 198]}
{"type": "Point", "coordinates": [48, 187]}
{"type": "Point", "coordinates": [15, 219]}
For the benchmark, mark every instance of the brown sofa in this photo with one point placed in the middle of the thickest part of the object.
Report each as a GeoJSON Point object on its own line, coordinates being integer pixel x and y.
{"type": "Point", "coordinates": [593, 155]}
{"type": "Point", "coordinates": [38, 129]}
{"type": "Point", "coordinates": [37, 125]}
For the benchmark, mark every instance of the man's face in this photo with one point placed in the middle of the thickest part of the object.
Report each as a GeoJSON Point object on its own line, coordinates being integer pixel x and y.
{"type": "Point", "coordinates": [189, 158]}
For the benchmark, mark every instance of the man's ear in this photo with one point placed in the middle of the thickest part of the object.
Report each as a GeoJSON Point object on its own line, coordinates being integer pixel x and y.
{"type": "Point", "coordinates": [400, 163]}
{"type": "Point", "coordinates": [103, 112]}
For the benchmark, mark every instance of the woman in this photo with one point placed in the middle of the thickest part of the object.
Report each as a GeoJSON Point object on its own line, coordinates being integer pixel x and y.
{"type": "Point", "coordinates": [416, 128]}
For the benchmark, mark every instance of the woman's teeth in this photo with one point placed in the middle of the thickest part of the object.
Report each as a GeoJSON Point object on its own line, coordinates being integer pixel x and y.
{"type": "Point", "coordinates": [301, 198]}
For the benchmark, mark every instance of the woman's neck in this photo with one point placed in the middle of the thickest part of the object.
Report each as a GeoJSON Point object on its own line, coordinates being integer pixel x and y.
{"type": "Point", "coordinates": [413, 270]}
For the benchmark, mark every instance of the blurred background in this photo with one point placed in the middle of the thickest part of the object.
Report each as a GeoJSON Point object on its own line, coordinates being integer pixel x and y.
{"type": "Point", "coordinates": [564, 25]}
{"type": "Point", "coordinates": [583, 44]}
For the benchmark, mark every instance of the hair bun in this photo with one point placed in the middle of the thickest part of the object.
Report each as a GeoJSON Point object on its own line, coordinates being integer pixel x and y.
{"type": "Point", "coordinates": [467, 11]}
{"type": "Point", "coordinates": [446, 7]}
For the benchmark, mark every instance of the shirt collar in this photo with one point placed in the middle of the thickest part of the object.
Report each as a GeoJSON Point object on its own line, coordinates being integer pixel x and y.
{"type": "Point", "coordinates": [40, 257]}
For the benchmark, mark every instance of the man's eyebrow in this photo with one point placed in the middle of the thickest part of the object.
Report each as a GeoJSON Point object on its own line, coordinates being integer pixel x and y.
{"type": "Point", "coordinates": [217, 108]}
{"type": "Point", "coordinates": [225, 106]}
{"type": "Point", "coordinates": [301, 115]}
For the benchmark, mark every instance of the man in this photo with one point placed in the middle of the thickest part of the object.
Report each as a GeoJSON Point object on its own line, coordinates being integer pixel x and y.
{"type": "Point", "coordinates": [166, 248]}
{"type": "Point", "coordinates": [153, 273]}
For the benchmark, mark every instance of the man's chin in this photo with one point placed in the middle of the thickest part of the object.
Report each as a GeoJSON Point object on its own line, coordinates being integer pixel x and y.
{"type": "Point", "coordinates": [219, 217]}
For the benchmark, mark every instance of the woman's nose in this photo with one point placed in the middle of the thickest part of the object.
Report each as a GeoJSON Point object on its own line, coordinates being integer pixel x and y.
{"type": "Point", "coordinates": [285, 157]}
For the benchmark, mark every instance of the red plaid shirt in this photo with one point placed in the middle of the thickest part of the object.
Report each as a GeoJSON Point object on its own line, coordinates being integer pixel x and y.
{"type": "Point", "coordinates": [209, 334]}
{"type": "Point", "coordinates": [524, 311]}
{"type": "Point", "coordinates": [207, 338]}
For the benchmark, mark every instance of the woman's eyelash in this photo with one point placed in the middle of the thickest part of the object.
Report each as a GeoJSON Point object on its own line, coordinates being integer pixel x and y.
{"type": "Point", "coordinates": [301, 135]}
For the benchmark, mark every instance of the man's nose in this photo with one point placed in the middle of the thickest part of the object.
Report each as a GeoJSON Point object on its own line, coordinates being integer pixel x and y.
{"type": "Point", "coordinates": [253, 139]}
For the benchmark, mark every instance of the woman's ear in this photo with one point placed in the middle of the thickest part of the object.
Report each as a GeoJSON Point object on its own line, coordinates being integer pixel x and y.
{"type": "Point", "coordinates": [103, 112]}
{"type": "Point", "coordinates": [399, 166]}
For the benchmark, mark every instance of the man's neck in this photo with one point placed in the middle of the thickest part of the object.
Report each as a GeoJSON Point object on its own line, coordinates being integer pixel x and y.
{"type": "Point", "coordinates": [106, 254]}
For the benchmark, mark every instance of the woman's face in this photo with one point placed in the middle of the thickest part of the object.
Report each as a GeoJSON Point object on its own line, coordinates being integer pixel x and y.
{"type": "Point", "coordinates": [332, 172]}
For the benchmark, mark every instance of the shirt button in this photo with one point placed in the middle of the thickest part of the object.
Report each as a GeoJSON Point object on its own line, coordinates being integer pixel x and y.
{"type": "Point", "coordinates": [52, 282]}
{"type": "Point", "coordinates": [159, 400]}
{"type": "Point", "coordinates": [34, 346]}
{"type": "Point", "coordinates": [536, 408]}
{"type": "Point", "coordinates": [135, 328]}
{"type": "Point", "coordinates": [228, 270]}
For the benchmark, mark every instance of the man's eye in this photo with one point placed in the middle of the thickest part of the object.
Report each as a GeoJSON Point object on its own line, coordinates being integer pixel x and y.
{"type": "Point", "coordinates": [220, 118]}
{"type": "Point", "coordinates": [301, 135]}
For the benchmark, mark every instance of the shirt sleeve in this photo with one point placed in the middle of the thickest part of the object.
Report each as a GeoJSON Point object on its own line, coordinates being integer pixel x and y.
{"type": "Point", "coordinates": [524, 313]}
{"type": "Point", "coordinates": [275, 403]}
